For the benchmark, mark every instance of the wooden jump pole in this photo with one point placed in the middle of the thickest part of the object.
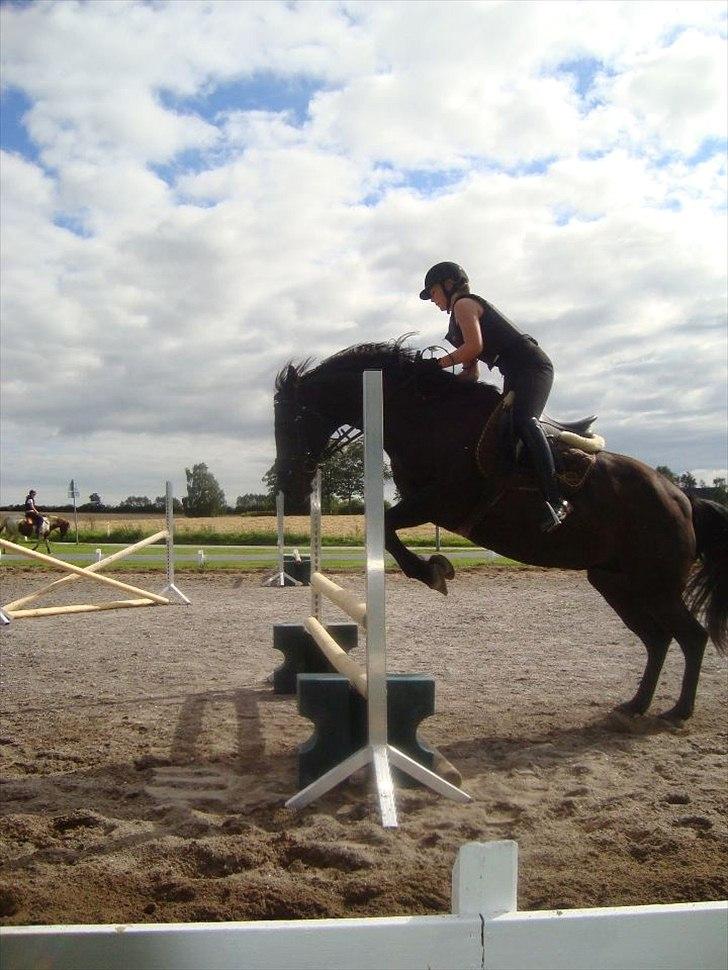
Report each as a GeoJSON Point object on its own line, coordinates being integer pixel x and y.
{"type": "Point", "coordinates": [346, 601]}
{"type": "Point", "coordinates": [79, 608]}
{"type": "Point", "coordinates": [336, 656]}
{"type": "Point", "coordinates": [81, 571]}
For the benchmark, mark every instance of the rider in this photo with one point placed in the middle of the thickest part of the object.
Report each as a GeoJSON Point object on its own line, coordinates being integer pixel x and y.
{"type": "Point", "coordinates": [479, 331]}
{"type": "Point", "coordinates": [32, 514]}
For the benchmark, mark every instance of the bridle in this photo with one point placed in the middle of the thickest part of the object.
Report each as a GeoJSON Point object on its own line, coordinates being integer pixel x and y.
{"type": "Point", "coordinates": [304, 415]}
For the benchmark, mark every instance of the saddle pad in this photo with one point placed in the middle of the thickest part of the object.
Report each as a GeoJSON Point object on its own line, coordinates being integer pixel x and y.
{"type": "Point", "coordinates": [573, 466]}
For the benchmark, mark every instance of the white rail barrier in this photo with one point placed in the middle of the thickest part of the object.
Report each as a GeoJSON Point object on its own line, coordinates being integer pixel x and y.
{"type": "Point", "coordinates": [484, 932]}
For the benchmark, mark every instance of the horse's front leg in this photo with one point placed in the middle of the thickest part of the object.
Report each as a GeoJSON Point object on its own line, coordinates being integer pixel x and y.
{"type": "Point", "coordinates": [433, 571]}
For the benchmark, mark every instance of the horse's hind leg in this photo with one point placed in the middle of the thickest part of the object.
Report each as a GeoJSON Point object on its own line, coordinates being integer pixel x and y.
{"type": "Point", "coordinates": [653, 635]}
{"type": "Point", "coordinates": [692, 638]}
{"type": "Point", "coordinates": [656, 620]}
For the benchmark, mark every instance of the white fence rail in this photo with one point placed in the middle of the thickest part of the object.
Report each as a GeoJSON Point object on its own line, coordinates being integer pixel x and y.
{"type": "Point", "coordinates": [485, 931]}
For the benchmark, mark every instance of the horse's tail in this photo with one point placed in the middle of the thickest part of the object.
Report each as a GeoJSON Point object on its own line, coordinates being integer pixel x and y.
{"type": "Point", "coordinates": [707, 588]}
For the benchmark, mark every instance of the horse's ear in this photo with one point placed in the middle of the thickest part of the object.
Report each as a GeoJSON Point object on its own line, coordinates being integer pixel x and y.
{"type": "Point", "coordinates": [287, 382]}
{"type": "Point", "coordinates": [290, 381]}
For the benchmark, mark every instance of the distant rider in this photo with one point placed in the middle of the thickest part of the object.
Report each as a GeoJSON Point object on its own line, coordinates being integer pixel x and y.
{"type": "Point", "coordinates": [32, 514]}
{"type": "Point", "coordinates": [479, 331]}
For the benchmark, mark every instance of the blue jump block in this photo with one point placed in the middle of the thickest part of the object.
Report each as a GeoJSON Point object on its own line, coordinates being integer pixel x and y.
{"type": "Point", "coordinates": [299, 569]}
{"type": "Point", "coordinates": [301, 655]}
{"type": "Point", "coordinates": [339, 715]}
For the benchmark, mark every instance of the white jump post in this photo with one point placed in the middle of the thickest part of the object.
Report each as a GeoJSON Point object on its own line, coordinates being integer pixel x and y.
{"type": "Point", "coordinates": [17, 608]}
{"type": "Point", "coordinates": [170, 588]}
{"type": "Point", "coordinates": [281, 578]}
{"type": "Point", "coordinates": [377, 752]}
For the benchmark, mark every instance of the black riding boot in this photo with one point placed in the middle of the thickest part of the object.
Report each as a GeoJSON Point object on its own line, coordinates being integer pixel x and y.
{"type": "Point", "coordinates": [557, 508]}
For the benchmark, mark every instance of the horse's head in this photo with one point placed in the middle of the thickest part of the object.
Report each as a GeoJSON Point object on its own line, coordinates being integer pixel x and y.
{"type": "Point", "coordinates": [302, 432]}
{"type": "Point", "coordinates": [63, 526]}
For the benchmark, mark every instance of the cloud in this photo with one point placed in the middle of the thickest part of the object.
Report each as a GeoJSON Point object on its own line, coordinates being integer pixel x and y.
{"type": "Point", "coordinates": [216, 188]}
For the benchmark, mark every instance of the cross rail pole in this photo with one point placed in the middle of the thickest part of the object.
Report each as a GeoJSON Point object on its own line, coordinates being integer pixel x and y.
{"type": "Point", "coordinates": [80, 571]}
{"type": "Point", "coordinates": [93, 568]}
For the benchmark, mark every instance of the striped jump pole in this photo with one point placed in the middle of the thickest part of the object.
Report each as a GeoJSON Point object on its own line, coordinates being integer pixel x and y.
{"type": "Point", "coordinates": [377, 752]}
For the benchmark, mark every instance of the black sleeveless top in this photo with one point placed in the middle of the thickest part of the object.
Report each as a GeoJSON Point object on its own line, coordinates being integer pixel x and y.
{"type": "Point", "coordinates": [504, 345]}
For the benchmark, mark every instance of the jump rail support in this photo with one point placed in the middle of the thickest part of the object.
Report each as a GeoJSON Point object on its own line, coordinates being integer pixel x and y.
{"type": "Point", "coordinates": [377, 752]}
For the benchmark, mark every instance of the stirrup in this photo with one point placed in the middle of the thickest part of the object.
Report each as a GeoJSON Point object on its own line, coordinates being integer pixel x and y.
{"type": "Point", "coordinates": [555, 516]}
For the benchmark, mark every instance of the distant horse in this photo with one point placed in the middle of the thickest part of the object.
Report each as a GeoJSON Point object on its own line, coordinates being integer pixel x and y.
{"type": "Point", "coordinates": [23, 527]}
{"type": "Point", "coordinates": [635, 533]}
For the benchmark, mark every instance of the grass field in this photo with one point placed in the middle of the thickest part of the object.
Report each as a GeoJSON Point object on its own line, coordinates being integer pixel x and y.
{"type": "Point", "coordinates": [220, 558]}
{"type": "Point", "coordinates": [259, 529]}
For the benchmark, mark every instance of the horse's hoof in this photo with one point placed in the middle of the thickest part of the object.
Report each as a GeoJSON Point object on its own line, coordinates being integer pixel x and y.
{"type": "Point", "coordinates": [676, 715]}
{"type": "Point", "coordinates": [630, 709]}
{"type": "Point", "coordinates": [437, 582]}
{"type": "Point", "coordinates": [443, 563]}
{"type": "Point", "coordinates": [439, 570]}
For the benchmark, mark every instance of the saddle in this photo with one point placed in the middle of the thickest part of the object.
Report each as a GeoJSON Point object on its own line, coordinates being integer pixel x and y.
{"type": "Point", "coordinates": [500, 455]}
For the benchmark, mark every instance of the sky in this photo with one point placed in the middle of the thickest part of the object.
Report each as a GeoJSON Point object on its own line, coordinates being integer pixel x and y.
{"type": "Point", "coordinates": [194, 193]}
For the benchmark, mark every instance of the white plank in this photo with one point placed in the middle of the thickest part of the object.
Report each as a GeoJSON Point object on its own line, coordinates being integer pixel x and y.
{"type": "Point", "coordinates": [688, 936]}
{"type": "Point", "coordinates": [398, 943]}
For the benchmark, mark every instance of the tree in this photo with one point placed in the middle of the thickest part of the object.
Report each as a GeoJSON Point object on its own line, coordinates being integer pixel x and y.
{"type": "Point", "coordinates": [204, 495]}
{"type": "Point", "coordinates": [95, 499]}
{"type": "Point", "coordinates": [721, 490]}
{"type": "Point", "coordinates": [687, 481]}
{"type": "Point", "coordinates": [251, 502]}
{"type": "Point", "coordinates": [270, 480]}
{"type": "Point", "coordinates": [342, 477]}
{"type": "Point", "coordinates": [160, 504]}
{"type": "Point", "coordinates": [668, 473]}
{"type": "Point", "coordinates": [136, 502]}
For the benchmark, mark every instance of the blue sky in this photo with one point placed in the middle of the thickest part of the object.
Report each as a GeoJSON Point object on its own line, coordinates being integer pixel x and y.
{"type": "Point", "coordinates": [195, 192]}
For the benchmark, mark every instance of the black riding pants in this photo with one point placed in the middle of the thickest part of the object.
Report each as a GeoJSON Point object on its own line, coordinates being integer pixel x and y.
{"type": "Point", "coordinates": [531, 382]}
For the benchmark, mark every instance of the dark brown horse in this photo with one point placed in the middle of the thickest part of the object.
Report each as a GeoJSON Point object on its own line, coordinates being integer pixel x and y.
{"type": "Point", "coordinates": [24, 527]}
{"type": "Point", "coordinates": [637, 535]}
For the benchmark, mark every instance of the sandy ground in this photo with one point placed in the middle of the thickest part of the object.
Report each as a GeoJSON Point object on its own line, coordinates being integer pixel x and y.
{"type": "Point", "coordinates": [145, 759]}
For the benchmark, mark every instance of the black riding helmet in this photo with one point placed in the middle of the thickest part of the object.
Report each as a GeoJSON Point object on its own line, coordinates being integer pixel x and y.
{"type": "Point", "coordinates": [441, 272]}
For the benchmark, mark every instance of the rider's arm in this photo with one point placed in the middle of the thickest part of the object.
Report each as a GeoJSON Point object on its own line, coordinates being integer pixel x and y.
{"type": "Point", "coordinates": [467, 316]}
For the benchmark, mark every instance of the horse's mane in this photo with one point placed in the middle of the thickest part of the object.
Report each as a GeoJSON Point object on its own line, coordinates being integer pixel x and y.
{"type": "Point", "coordinates": [397, 362]}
